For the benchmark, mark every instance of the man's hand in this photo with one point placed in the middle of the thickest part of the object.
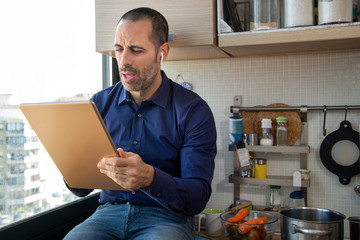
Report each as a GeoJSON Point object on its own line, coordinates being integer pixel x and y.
{"type": "Point", "coordinates": [128, 170]}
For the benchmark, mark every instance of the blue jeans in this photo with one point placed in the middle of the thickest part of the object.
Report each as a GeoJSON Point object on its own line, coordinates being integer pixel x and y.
{"type": "Point", "coordinates": [125, 221]}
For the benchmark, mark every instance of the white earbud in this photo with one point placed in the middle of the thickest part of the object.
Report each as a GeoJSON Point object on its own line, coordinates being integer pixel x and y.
{"type": "Point", "coordinates": [162, 58]}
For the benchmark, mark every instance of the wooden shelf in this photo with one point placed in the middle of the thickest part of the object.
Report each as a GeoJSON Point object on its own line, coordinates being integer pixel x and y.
{"type": "Point", "coordinates": [292, 40]}
{"type": "Point", "coordinates": [270, 180]}
{"type": "Point", "coordinates": [276, 149]}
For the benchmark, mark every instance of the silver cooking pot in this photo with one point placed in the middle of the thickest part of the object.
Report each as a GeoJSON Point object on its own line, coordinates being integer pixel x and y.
{"type": "Point", "coordinates": [311, 223]}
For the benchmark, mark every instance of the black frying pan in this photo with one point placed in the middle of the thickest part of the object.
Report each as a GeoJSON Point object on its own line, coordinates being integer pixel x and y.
{"type": "Point", "coordinates": [345, 132]}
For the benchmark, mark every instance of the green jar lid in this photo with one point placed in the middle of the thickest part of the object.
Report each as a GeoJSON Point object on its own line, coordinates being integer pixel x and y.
{"type": "Point", "coordinates": [281, 119]}
{"type": "Point", "coordinates": [275, 187]}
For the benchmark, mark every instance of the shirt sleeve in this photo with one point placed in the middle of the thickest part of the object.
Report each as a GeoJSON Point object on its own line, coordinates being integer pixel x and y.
{"type": "Point", "coordinates": [191, 192]}
{"type": "Point", "coordinates": [80, 192]}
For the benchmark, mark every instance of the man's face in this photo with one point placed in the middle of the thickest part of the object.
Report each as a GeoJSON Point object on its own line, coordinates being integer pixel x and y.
{"type": "Point", "coordinates": [136, 56]}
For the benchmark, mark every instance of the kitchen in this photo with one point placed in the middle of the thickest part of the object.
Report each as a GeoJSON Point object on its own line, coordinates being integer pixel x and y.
{"type": "Point", "coordinates": [299, 75]}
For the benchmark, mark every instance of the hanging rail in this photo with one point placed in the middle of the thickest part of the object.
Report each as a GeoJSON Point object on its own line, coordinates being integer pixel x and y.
{"type": "Point", "coordinates": [302, 109]}
{"type": "Point", "coordinates": [295, 108]}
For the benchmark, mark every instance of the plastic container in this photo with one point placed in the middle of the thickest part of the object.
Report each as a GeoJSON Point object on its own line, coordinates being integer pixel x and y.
{"type": "Point", "coordinates": [281, 131]}
{"type": "Point", "coordinates": [298, 13]}
{"type": "Point", "coordinates": [335, 11]}
{"type": "Point", "coordinates": [267, 139]}
{"type": "Point", "coordinates": [264, 14]}
{"type": "Point", "coordinates": [263, 231]}
{"type": "Point", "coordinates": [296, 199]}
{"type": "Point", "coordinates": [235, 129]}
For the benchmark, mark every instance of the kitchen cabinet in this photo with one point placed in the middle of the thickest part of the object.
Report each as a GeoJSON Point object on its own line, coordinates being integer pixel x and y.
{"type": "Point", "coordinates": [192, 23]}
{"type": "Point", "coordinates": [289, 40]}
{"type": "Point", "coordinates": [301, 150]}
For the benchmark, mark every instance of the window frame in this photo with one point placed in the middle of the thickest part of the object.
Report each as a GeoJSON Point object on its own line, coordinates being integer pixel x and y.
{"type": "Point", "coordinates": [53, 223]}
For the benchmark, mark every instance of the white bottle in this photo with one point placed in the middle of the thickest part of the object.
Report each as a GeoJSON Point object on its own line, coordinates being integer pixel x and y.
{"type": "Point", "coordinates": [266, 139]}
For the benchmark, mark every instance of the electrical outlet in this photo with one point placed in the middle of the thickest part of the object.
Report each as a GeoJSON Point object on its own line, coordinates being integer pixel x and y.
{"type": "Point", "coordinates": [237, 100]}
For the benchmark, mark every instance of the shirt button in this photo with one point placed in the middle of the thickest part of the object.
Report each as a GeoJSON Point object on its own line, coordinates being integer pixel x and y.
{"type": "Point", "coordinates": [158, 195]}
{"type": "Point", "coordinates": [139, 115]}
{"type": "Point", "coordinates": [135, 142]}
{"type": "Point", "coordinates": [133, 192]}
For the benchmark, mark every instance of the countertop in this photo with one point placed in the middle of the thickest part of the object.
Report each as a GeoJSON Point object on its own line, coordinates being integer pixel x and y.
{"type": "Point", "coordinates": [202, 233]}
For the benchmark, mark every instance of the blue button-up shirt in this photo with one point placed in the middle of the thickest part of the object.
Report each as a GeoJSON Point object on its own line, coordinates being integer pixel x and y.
{"type": "Point", "coordinates": [175, 133]}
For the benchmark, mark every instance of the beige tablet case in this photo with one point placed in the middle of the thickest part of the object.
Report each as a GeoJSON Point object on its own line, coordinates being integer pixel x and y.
{"type": "Point", "coordinates": [74, 135]}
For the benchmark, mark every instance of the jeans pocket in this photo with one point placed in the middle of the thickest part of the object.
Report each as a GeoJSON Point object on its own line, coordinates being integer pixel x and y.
{"type": "Point", "coordinates": [102, 206]}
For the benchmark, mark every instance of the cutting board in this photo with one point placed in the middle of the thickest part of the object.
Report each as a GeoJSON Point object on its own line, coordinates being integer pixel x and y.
{"type": "Point", "coordinates": [252, 122]}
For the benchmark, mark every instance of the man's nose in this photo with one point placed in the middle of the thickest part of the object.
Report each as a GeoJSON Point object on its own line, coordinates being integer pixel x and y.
{"type": "Point", "coordinates": [124, 59]}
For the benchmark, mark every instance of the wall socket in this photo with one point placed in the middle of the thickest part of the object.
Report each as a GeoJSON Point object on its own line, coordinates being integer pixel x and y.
{"type": "Point", "coordinates": [237, 100]}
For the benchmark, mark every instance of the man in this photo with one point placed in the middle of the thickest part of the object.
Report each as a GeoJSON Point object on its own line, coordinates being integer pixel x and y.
{"type": "Point", "coordinates": [166, 137]}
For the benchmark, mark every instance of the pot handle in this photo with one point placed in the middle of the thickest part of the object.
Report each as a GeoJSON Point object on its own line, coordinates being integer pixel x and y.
{"type": "Point", "coordinates": [296, 229]}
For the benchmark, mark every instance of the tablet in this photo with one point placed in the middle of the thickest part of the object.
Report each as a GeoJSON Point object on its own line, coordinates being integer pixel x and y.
{"type": "Point", "coordinates": [75, 136]}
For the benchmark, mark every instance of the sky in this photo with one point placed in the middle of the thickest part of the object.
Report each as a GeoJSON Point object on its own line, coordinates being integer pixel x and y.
{"type": "Point", "coordinates": [47, 49]}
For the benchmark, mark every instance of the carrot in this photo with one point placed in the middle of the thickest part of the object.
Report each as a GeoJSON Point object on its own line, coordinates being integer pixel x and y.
{"type": "Point", "coordinates": [243, 228]}
{"type": "Point", "coordinates": [240, 215]}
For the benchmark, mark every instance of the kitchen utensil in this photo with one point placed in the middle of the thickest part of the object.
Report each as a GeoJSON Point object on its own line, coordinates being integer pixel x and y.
{"type": "Point", "coordinates": [354, 225]}
{"type": "Point", "coordinates": [311, 223]}
{"type": "Point", "coordinates": [345, 132]}
{"type": "Point", "coordinates": [293, 124]}
{"type": "Point", "coordinates": [212, 221]}
{"type": "Point", "coordinates": [232, 232]}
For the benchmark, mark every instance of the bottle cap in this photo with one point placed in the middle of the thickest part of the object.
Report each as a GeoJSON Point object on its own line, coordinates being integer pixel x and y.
{"type": "Point", "coordinates": [260, 161]}
{"type": "Point", "coordinates": [266, 123]}
{"type": "Point", "coordinates": [281, 119]}
{"type": "Point", "coordinates": [275, 187]}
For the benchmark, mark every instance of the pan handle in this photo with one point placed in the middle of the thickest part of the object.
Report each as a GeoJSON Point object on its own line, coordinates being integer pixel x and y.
{"type": "Point", "coordinates": [296, 229]}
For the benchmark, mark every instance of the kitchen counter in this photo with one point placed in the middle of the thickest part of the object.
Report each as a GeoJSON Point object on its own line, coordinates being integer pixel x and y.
{"type": "Point", "coordinates": [202, 233]}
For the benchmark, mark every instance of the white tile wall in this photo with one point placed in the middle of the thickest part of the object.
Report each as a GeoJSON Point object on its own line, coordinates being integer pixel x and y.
{"type": "Point", "coordinates": [314, 79]}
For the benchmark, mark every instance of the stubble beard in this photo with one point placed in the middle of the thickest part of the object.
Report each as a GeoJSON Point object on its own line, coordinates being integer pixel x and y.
{"type": "Point", "coordinates": [144, 78]}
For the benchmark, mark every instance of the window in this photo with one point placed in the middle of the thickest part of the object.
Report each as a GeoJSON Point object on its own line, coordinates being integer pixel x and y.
{"type": "Point", "coordinates": [47, 54]}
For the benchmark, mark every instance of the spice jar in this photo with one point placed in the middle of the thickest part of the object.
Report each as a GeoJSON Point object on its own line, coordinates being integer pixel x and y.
{"type": "Point", "coordinates": [264, 14]}
{"type": "Point", "coordinates": [260, 168]}
{"type": "Point", "coordinates": [267, 138]}
{"type": "Point", "coordinates": [281, 131]}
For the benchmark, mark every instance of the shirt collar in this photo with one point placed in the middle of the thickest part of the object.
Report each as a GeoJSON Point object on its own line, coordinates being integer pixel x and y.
{"type": "Point", "coordinates": [161, 97]}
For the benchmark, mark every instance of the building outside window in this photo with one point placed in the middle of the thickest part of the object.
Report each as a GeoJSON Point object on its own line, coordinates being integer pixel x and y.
{"type": "Point", "coordinates": [47, 54]}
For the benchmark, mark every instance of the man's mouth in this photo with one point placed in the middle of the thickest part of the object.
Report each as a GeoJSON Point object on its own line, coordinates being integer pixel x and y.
{"type": "Point", "coordinates": [127, 76]}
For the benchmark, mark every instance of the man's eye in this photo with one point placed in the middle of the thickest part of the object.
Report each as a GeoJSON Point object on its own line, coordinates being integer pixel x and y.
{"type": "Point", "coordinates": [118, 49]}
{"type": "Point", "coordinates": [136, 51]}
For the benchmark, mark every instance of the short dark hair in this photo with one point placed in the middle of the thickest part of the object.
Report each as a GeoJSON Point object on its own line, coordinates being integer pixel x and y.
{"type": "Point", "coordinates": [160, 28]}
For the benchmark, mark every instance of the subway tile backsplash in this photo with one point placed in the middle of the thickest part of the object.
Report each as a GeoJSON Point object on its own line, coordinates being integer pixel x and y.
{"type": "Point", "coordinates": [314, 79]}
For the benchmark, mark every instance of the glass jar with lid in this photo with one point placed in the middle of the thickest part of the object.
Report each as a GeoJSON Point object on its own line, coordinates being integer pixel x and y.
{"type": "Point", "coordinates": [267, 139]}
{"type": "Point", "coordinates": [264, 14]}
{"type": "Point", "coordinates": [275, 197]}
{"type": "Point", "coordinates": [281, 131]}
